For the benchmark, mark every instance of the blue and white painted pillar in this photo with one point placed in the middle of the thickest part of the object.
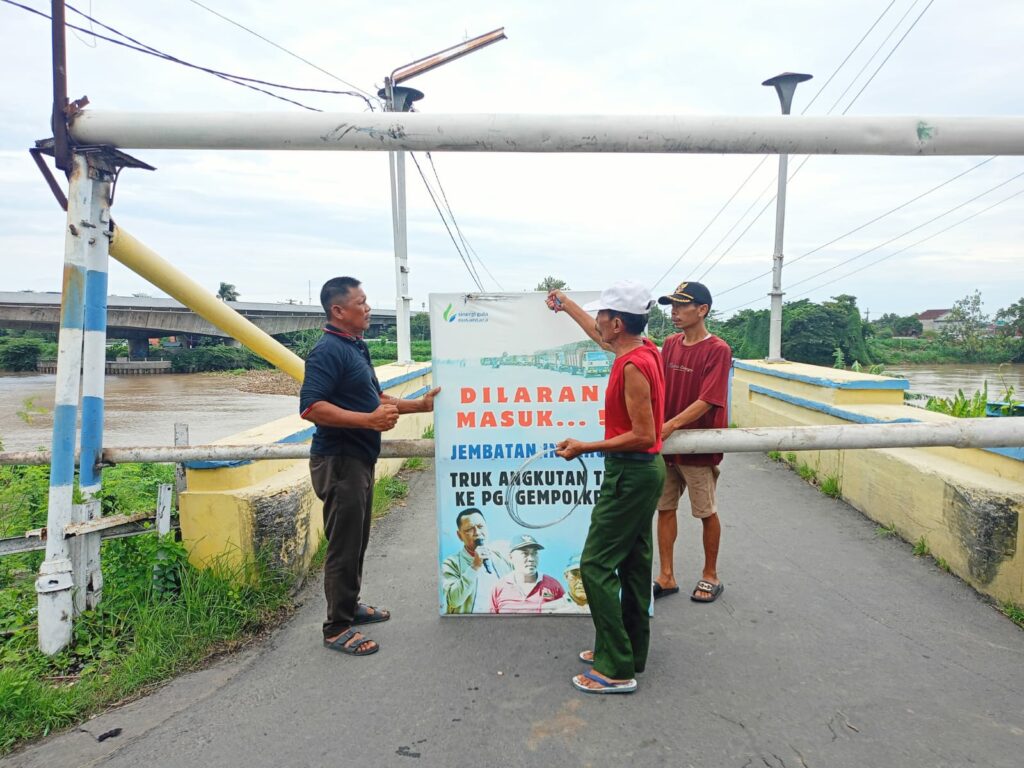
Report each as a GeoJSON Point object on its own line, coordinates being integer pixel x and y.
{"type": "Point", "coordinates": [87, 574]}
{"type": "Point", "coordinates": [54, 585]}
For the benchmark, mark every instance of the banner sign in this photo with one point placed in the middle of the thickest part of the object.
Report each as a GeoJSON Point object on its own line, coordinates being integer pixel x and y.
{"type": "Point", "coordinates": [515, 380]}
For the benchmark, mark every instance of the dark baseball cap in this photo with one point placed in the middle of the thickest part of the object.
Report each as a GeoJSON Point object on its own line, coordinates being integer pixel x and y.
{"type": "Point", "coordinates": [688, 293]}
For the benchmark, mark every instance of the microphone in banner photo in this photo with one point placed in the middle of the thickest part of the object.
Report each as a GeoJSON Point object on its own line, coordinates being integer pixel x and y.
{"type": "Point", "coordinates": [484, 554]}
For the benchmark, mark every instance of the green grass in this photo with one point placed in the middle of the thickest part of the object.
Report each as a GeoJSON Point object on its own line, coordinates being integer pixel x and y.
{"type": "Point", "coordinates": [415, 464]}
{"type": "Point", "coordinates": [428, 433]}
{"type": "Point", "coordinates": [387, 492]}
{"type": "Point", "coordinates": [832, 486]}
{"type": "Point", "coordinates": [921, 547]}
{"type": "Point", "coordinates": [775, 455]}
{"type": "Point", "coordinates": [1013, 612]}
{"type": "Point", "coordinates": [941, 562]}
{"type": "Point", "coordinates": [807, 472]}
{"type": "Point", "coordinates": [791, 457]}
{"type": "Point", "coordinates": [885, 531]}
{"type": "Point", "coordinates": [145, 631]}
{"type": "Point", "coordinates": [159, 616]}
{"type": "Point", "coordinates": [320, 555]}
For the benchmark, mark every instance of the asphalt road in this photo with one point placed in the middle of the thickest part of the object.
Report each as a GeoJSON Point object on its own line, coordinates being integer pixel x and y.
{"type": "Point", "coordinates": [831, 646]}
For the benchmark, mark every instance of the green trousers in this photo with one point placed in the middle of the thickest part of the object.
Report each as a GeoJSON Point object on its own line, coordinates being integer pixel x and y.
{"type": "Point", "coordinates": [616, 564]}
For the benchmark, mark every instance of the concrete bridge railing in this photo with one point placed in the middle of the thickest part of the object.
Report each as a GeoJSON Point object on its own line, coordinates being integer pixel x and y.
{"type": "Point", "coordinates": [961, 504]}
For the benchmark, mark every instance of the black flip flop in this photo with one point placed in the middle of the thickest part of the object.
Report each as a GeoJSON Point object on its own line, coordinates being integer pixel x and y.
{"type": "Point", "coordinates": [660, 591]}
{"type": "Point", "coordinates": [707, 586]}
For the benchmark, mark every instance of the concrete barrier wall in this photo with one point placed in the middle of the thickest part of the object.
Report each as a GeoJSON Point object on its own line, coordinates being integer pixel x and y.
{"type": "Point", "coordinates": [965, 504]}
{"type": "Point", "coordinates": [233, 510]}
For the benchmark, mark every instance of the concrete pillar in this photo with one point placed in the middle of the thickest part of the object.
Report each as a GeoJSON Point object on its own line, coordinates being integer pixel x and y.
{"type": "Point", "coordinates": [138, 348]}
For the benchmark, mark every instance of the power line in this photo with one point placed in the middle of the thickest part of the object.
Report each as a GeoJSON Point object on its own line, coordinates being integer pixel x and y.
{"type": "Point", "coordinates": [919, 242]}
{"type": "Point", "coordinates": [169, 57]}
{"type": "Point", "coordinates": [904, 234]}
{"type": "Point", "coordinates": [878, 218]}
{"type": "Point", "coordinates": [871, 58]}
{"type": "Point", "coordinates": [451, 214]}
{"type": "Point", "coordinates": [894, 49]}
{"type": "Point", "coordinates": [850, 54]}
{"type": "Point", "coordinates": [465, 261]}
{"type": "Point", "coordinates": [282, 48]}
{"type": "Point", "coordinates": [847, 109]}
{"type": "Point", "coordinates": [140, 47]}
{"type": "Point", "coordinates": [764, 159]}
{"type": "Point", "coordinates": [708, 225]}
{"type": "Point", "coordinates": [897, 237]}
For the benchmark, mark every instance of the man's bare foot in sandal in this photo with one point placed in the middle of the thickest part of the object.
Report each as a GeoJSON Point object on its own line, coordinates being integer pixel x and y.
{"type": "Point", "coordinates": [352, 643]}
{"type": "Point", "coordinates": [593, 681]}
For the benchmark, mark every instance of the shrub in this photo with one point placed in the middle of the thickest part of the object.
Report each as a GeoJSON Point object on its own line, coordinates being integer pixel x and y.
{"type": "Point", "coordinates": [215, 359]}
{"type": "Point", "coordinates": [961, 406]}
{"type": "Point", "coordinates": [20, 354]}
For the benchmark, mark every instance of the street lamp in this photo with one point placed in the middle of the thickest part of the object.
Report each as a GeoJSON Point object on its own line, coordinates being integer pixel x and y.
{"type": "Point", "coordinates": [785, 86]}
{"type": "Point", "coordinates": [398, 98]}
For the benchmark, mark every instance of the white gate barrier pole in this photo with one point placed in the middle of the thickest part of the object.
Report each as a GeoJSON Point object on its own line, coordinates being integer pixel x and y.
{"type": "Point", "coordinates": [420, 132]}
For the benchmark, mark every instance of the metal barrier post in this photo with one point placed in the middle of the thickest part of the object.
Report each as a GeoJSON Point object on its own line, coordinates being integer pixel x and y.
{"type": "Point", "coordinates": [54, 585]}
{"type": "Point", "coordinates": [94, 364]}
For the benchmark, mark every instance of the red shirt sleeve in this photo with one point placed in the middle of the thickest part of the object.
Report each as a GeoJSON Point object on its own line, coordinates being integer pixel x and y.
{"type": "Point", "coordinates": [715, 379]}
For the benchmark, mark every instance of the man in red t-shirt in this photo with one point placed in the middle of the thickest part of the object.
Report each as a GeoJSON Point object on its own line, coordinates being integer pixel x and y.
{"type": "Point", "coordinates": [697, 365]}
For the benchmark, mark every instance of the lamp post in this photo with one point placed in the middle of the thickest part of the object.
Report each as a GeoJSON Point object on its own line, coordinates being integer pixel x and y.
{"type": "Point", "coordinates": [785, 86]}
{"type": "Point", "coordinates": [398, 98]}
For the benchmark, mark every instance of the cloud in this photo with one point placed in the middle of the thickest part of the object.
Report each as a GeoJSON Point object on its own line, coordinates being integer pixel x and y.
{"type": "Point", "coordinates": [276, 223]}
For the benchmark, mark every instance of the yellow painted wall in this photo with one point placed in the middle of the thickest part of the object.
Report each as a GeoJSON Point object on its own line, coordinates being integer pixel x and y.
{"type": "Point", "coordinates": [964, 503]}
{"type": "Point", "coordinates": [233, 512]}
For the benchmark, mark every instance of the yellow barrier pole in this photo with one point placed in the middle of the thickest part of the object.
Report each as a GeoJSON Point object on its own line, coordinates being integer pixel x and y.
{"type": "Point", "coordinates": [168, 278]}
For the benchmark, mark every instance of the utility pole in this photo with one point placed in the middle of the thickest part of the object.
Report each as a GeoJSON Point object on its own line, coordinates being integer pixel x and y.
{"type": "Point", "coordinates": [400, 99]}
{"type": "Point", "coordinates": [785, 86]}
{"type": "Point", "coordinates": [59, 118]}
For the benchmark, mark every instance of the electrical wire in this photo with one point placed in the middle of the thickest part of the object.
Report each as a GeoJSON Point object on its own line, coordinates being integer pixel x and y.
{"type": "Point", "coordinates": [871, 58]}
{"type": "Point", "coordinates": [900, 236]}
{"type": "Point", "coordinates": [894, 49]}
{"type": "Point", "coordinates": [465, 244]}
{"type": "Point", "coordinates": [294, 55]}
{"type": "Point", "coordinates": [878, 218]}
{"type": "Point", "coordinates": [764, 159]}
{"type": "Point", "coordinates": [81, 39]}
{"type": "Point", "coordinates": [175, 59]}
{"type": "Point", "coordinates": [433, 198]}
{"type": "Point", "coordinates": [912, 245]}
{"type": "Point", "coordinates": [140, 47]}
{"type": "Point", "coordinates": [847, 109]}
{"type": "Point", "coordinates": [904, 234]}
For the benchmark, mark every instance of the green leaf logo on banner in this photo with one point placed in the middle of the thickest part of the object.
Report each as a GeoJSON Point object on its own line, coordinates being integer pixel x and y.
{"type": "Point", "coordinates": [449, 315]}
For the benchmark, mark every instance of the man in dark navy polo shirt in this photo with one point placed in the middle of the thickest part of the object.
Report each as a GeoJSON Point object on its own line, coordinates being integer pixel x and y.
{"type": "Point", "coordinates": [341, 395]}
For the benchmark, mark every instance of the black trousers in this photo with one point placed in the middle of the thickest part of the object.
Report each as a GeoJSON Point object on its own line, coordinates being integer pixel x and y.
{"type": "Point", "coordinates": [345, 485]}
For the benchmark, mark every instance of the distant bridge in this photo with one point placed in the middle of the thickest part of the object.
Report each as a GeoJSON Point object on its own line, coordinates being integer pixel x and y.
{"type": "Point", "coordinates": [138, 318]}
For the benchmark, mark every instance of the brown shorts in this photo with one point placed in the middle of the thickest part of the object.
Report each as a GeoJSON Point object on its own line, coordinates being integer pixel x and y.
{"type": "Point", "coordinates": [698, 482]}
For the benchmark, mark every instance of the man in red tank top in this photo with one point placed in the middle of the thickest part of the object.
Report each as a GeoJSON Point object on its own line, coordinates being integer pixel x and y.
{"type": "Point", "coordinates": [697, 365]}
{"type": "Point", "coordinates": [618, 554]}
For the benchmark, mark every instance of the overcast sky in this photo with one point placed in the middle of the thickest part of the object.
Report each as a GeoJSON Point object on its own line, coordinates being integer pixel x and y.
{"type": "Point", "coordinates": [278, 224]}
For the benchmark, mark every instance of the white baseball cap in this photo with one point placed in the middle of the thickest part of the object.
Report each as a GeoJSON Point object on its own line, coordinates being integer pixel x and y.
{"type": "Point", "coordinates": [623, 296]}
